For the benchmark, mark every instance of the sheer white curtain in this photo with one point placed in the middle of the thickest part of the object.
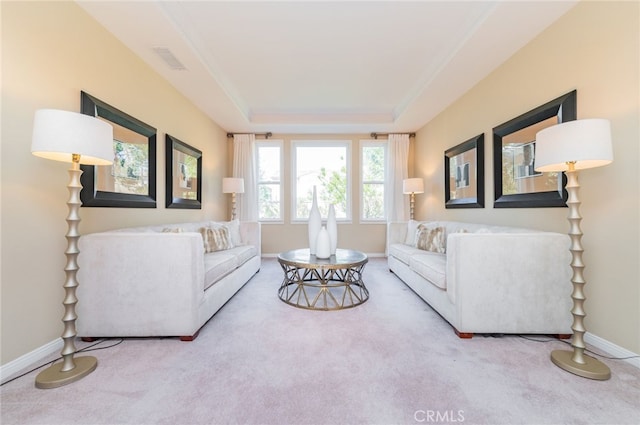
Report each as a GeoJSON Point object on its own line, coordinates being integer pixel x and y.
{"type": "Point", "coordinates": [397, 204]}
{"type": "Point", "coordinates": [244, 165]}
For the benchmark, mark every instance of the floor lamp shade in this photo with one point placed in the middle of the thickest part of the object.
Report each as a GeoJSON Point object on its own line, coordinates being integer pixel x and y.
{"type": "Point", "coordinates": [75, 138]}
{"type": "Point", "coordinates": [570, 147]}
{"type": "Point", "coordinates": [587, 143]}
{"type": "Point", "coordinates": [414, 185]}
{"type": "Point", "coordinates": [232, 185]}
{"type": "Point", "coordinates": [59, 134]}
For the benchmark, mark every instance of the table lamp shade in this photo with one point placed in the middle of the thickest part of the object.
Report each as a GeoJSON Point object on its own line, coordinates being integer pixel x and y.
{"type": "Point", "coordinates": [57, 135]}
{"type": "Point", "coordinates": [415, 185]}
{"type": "Point", "coordinates": [232, 185]}
{"type": "Point", "coordinates": [586, 142]}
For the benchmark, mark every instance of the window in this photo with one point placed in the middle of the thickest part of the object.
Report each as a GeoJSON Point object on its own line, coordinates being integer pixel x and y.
{"type": "Point", "coordinates": [325, 165]}
{"type": "Point", "coordinates": [269, 159]}
{"type": "Point", "coordinates": [372, 166]}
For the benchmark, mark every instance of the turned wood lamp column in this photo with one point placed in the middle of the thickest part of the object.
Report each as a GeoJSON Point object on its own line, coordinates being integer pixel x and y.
{"type": "Point", "coordinates": [569, 147]}
{"type": "Point", "coordinates": [78, 139]}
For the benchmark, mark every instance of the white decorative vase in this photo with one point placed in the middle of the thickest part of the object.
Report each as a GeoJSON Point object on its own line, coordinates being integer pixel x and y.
{"type": "Point", "coordinates": [323, 244]}
{"type": "Point", "coordinates": [332, 228]}
{"type": "Point", "coordinates": [315, 222]}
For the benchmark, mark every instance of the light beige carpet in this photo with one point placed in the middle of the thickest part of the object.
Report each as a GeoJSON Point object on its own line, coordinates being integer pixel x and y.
{"type": "Point", "coordinates": [392, 360]}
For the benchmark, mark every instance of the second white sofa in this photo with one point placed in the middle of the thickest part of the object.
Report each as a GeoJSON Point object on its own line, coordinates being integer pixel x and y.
{"type": "Point", "coordinates": [159, 280]}
{"type": "Point", "coordinates": [486, 279]}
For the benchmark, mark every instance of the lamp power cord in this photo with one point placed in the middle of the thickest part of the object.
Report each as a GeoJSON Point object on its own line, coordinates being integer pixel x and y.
{"type": "Point", "coordinates": [86, 349]}
{"type": "Point", "coordinates": [568, 342]}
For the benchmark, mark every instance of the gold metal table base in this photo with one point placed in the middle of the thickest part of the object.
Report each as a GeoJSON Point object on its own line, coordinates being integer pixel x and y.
{"type": "Point", "coordinates": [331, 284]}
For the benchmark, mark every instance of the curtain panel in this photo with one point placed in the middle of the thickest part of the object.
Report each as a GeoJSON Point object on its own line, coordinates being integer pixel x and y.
{"type": "Point", "coordinates": [244, 165]}
{"type": "Point", "coordinates": [396, 203]}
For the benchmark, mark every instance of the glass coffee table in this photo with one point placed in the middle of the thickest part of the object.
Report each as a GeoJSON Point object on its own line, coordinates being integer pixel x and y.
{"type": "Point", "coordinates": [334, 283]}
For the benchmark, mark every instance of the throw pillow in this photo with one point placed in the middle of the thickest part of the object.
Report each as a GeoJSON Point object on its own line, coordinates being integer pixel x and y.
{"type": "Point", "coordinates": [172, 230]}
{"type": "Point", "coordinates": [234, 232]}
{"type": "Point", "coordinates": [431, 238]}
{"type": "Point", "coordinates": [215, 238]}
{"type": "Point", "coordinates": [412, 228]}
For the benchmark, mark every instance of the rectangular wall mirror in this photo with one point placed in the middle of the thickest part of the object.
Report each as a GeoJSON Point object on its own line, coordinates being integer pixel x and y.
{"type": "Point", "coordinates": [516, 183]}
{"type": "Point", "coordinates": [183, 175]}
{"type": "Point", "coordinates": [464, 174]}
{"type": "Point", "coordinates": [130, 182]}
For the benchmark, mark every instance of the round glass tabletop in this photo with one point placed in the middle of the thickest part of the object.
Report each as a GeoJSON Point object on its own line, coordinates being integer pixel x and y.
{"type": "Point", "coordinates": [342, 259]}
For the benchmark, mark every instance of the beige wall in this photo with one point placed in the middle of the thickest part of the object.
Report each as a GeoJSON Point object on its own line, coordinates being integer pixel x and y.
{"type": "Point", "coordinates": [50, 52]}
{"type": "Point", "coordinates": [594, 49]}
{"type": "Point", "coordinates": [367, 237]}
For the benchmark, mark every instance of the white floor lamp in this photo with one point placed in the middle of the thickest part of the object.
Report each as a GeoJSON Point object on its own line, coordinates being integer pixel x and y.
{"type": "Point", "coordinates": [411, 187]}
{"type": "Point", "coordinates": [569, 147]}
{"type": "Point", "coordinates": [78, 139]}
{"type": "Point", "coordinates": [233, 185]}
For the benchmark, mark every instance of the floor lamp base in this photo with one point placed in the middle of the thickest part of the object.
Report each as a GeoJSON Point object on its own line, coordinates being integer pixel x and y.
{"type": "Point", "coordinates": [52, 377]}
{"type": "Point", "coordinates": [592, 368]}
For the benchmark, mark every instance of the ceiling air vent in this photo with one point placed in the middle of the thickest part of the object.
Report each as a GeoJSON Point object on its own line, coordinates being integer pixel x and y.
{"type": "Point", "coordinates": [169, 58]}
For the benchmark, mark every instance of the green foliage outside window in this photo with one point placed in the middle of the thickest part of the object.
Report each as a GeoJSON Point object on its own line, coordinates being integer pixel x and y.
{"type": "Point", "coordinates": [373, 162]}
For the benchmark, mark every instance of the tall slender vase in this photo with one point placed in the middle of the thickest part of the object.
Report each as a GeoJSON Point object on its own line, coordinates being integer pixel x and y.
{"type": "Point", "coordinates": [323, 244]}
{"type": "Point", "coordinates": [315, 223]}
{"type": "Point", "coordinates": [332, 228]}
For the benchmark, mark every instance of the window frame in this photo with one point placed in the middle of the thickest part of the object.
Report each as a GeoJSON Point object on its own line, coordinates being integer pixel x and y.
{"type": "Point", "coordinates": [373, 143]}
{"type": "Point", "coordinates": [320, 143]}
{"type": "Point", "coordinates": [270, 144]}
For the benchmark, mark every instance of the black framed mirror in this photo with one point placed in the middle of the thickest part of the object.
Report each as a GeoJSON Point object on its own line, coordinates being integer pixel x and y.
{"type": "Point", "coordinates": [183, 174]}
{"type": "Point", "coordinates": [516, 183]}
{"type": "Point", "coordinates": [464, 174]}
{"type": "Point", "coordinates": [131, 181]}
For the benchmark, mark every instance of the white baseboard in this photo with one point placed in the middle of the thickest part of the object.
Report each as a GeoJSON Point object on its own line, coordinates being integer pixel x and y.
{"type": "Point", "coordinates": [612, 349]}
{"type": "Point", "coordinates": [30, 359]}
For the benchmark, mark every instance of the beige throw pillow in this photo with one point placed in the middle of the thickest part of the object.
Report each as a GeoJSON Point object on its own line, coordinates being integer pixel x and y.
{"type": "Point", "coordinates": [172, 230]}
{"type": "Point", "coordinates": [215, 238]}
{"type": "Point", "coordinates": [431, 238]}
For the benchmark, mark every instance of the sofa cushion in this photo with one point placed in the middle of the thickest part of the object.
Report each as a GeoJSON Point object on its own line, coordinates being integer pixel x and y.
{"type": "Point", "coordinates": [217, 265]}
{"type": "Point", "coordinates": [431, 266]}
{"type": "Point", "coordinates": [431, 238]}
{"type": "Point", "coordinates": [243, 253]}
{"type": "Point", "coordinates": [215, 238]}
{"type": "Point", "coordinates": [402, 252]}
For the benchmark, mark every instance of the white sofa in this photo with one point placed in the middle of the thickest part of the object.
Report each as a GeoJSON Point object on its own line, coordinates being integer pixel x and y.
{"type": "Point", "coordinates": [488, 279]}
{"type": "Point", "coordinates": [158, 280]}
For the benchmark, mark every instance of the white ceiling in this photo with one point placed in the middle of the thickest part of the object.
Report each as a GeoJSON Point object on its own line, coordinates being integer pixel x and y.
{"type": "Point", "coordinates": [325, 67]}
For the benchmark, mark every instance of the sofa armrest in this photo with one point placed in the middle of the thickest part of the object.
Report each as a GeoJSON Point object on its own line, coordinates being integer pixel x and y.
{"type": "Point", "coordinates": [125, 276]}
{"type": "Point", "coordinates": [503, 276]}
{"type": "Point", "coordinates": [250, 234]}
{"type": "Point", "coordinates": [396, 233]}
